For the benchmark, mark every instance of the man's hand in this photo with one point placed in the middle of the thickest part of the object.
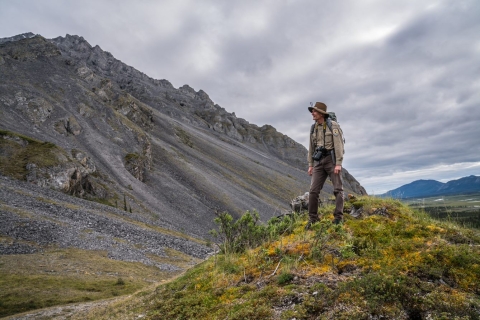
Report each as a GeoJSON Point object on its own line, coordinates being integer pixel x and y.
{"type": "Point", "coordinates": [310, 171]}
{"type": "Point", "coordinates": [336, 170]}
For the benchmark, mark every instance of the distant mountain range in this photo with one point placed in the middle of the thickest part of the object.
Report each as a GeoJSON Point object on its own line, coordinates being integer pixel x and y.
{"type": "Point", "coordinates": [431, 188]}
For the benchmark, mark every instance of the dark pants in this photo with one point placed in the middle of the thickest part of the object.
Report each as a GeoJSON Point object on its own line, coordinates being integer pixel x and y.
{"type": "Point", "coordinates": [321, 171]}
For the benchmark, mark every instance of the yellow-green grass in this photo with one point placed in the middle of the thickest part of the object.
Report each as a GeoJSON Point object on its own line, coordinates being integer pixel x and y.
{"type": "Point", "coordinates": [63, 276]}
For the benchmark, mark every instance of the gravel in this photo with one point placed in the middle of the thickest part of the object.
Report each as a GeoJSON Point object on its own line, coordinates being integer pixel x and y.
{"type": "Point", "coordinates": [34, 218]}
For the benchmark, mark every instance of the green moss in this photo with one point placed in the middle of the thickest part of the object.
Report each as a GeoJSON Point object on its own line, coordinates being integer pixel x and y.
{"type": "Point", "coordinates": [19, 150]}
{"type": "Point", "coordinates": [184, 137]}
{"type": "Point", "coordinates": [132, 157]}
{"type": "Point", "coordinates": [284, 278]}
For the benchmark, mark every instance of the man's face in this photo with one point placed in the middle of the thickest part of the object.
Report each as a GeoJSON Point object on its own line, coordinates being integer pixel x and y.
{"type": "Point", "coordinates": [317, 116]}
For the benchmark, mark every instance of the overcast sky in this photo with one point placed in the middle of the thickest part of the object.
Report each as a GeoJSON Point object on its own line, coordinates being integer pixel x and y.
{"type": "Point", "coordinates": [402, 76]}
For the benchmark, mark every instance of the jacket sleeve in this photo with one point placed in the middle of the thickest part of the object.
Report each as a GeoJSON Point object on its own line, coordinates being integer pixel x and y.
{"type": "Point", "coordinates": [310, 151]}
{"type": "Point", "coordinates": [338, 143]}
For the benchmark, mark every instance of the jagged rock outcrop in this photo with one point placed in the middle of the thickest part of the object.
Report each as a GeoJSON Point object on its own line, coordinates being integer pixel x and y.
{"type": "Point", "coordinates": [45, 165]}
{"type": "Point", "coordinates": [184, 103]}
{"type": "Point", "coordinates": [34, 47]}
{"type": "Point", "coordinates": [26, 35]}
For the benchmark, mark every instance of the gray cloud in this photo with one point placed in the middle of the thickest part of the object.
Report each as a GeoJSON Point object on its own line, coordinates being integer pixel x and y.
{"type": "Point", "coordinates": [401, 76]}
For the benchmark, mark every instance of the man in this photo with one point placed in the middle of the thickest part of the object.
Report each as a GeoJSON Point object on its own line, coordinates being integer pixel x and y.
{"type": "Point", "coordinates": [325, 156]}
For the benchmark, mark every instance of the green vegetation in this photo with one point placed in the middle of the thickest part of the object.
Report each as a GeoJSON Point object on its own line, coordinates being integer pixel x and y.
{"type": "Point", "coordinates": [62, 276]}
{"type": "Point", "coordinates": [239, 235]}
{"type": "Point", "coordinates": [19, 150]}
{"type": "Point", "coordinates": [132, 157]}
{"type": "Point", "coordinates": [184, 137]}
{"type": "Point", "coordinates": [464, 209]}
{"type": "Point", "coordinates": [393, 263]}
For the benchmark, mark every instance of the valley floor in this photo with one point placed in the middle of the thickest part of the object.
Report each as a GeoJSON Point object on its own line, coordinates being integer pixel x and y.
{"type": "Point", "coordinates": [64, 312]}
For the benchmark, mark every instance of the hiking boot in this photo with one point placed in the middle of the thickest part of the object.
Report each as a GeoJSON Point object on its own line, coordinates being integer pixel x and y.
{"type": "Point", "coordinates": [337, 221]}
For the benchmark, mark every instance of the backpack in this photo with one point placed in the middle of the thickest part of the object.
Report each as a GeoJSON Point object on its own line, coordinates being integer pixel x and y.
{"type": "Point", "coordinates": [331, 116]}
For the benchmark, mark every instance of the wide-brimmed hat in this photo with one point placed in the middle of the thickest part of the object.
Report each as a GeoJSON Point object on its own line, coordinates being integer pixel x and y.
{"type": "Point", "coordinates": [320, 107]}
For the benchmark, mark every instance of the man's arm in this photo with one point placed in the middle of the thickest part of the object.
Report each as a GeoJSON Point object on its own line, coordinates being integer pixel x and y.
{"type": "Point", "coordinates": [338, 146]}
{"type": "Point", "coordinates": [310, 154]}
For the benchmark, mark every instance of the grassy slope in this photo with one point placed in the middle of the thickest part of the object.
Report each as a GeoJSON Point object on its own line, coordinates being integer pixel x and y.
{"type": "Point", "coordinates": [62, 276]}
{"type": "Point", "coordinates": [393, 263]}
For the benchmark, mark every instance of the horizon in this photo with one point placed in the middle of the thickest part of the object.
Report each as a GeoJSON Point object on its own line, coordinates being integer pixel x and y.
{"type": "Point", "coordinates": [444, 182]}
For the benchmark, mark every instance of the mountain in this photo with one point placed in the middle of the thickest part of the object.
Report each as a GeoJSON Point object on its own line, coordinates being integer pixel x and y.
{"type": "Point", "coordinates": [75, 120]}
{"type": "Point", "coordinates": [431, 188]}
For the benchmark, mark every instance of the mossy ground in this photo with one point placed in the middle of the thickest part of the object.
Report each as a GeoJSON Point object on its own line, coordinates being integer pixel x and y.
{"type": "Point", "coordinates": [399, 264]}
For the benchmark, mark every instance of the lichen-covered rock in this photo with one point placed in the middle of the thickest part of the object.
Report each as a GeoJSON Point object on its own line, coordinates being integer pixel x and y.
{"type": "Point", "coordinates": [37, 109]}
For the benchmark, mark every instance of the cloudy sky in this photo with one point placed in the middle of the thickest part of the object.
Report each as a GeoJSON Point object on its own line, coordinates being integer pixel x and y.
{"type": "Point", "coordinates": [402, 76]}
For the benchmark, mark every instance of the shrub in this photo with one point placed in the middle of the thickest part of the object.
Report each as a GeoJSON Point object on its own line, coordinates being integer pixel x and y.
{"type": "Point", "coordinates": [247, 232]}
{"type": "Point", "coordinates": [241, 234]}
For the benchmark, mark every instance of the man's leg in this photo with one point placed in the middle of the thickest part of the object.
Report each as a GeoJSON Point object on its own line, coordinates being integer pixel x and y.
{"type": "Point", "coordinates": [338, 193]}
{"type": "Point", "coordinates": [318, 179]}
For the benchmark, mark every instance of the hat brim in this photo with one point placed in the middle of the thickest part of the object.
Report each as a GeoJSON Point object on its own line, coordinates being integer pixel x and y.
{"type": "Point", "coordinates": [313, 108]}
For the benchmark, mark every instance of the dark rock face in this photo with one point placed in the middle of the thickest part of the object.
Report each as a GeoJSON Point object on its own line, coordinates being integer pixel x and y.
{"type": "Point", "coordinates": [176, 154]}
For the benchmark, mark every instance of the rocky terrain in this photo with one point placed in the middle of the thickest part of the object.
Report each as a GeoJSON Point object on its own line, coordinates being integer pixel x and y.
{"type": "Point", "coordinates": [89, 143]}
{"type": "Point", "coordinates": [34, 217]}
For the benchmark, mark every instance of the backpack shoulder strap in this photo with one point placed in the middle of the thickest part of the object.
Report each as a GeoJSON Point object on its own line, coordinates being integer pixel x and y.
{"type": "Point", "coordinates": [329, 124]}
{"type": "Point", "coordinates": [312, 129]}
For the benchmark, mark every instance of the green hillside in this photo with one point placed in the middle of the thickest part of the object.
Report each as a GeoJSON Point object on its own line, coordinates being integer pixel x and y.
{"type": "Point", "coordinates": [390, 263]}
{"type": "Point", "coordinates": [461, 208]}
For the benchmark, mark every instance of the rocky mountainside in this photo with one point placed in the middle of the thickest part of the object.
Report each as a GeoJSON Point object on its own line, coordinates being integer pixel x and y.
{"type": "Point", "coordinates": [431, 188]}
{"type": "Point", "coordinates": [75, 119]}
